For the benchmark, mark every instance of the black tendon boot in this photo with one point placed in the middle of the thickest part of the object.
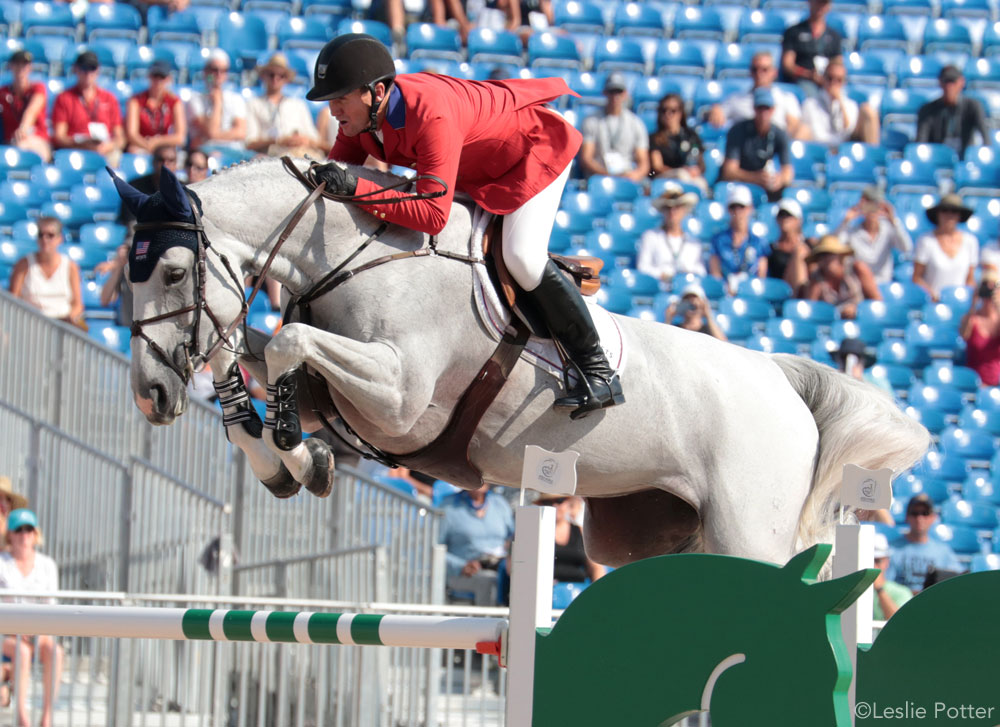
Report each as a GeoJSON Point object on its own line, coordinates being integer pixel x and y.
{"type": "Point", "coordinates": [570, 324]}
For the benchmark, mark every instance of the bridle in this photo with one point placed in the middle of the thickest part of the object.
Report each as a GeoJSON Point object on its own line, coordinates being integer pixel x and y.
{"type": "Point", "coordinates": [194, 359]}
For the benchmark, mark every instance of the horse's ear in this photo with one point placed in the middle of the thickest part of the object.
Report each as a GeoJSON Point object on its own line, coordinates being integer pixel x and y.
{"type": "Point", "coordinates": [174, 196]}
{"type": "Point", "coordinates": [132, 198]}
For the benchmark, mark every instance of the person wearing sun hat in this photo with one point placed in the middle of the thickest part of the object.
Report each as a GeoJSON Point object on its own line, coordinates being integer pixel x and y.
{"type": "Point", "coordinates": [278, 124]}
{"type": "Point", "coordinates": [838, 280]}
{"type": "Point", "coordinates": [23, 108]}
{"type": "Point", "coordinates": [947, 256]}
{"type": "Point", "coordinates": [670, 249]}
{"type": "Point", "coordinates": [23, 568]}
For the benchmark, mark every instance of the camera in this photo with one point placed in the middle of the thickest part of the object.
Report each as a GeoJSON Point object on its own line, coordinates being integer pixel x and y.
{"type": "Point", "coordinates": [986, 289]}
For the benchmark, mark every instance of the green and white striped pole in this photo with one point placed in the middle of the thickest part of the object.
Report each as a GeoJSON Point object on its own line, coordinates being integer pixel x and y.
{"type": "Point", "coordinates": [434, 632]}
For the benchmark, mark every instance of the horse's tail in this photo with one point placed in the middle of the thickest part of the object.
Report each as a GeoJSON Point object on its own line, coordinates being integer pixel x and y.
{"type": "Point", "coordinates": [858, 424]}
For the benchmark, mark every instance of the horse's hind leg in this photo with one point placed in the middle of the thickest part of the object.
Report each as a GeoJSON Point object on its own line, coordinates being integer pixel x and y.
{"type": "Point", "coordinates": [367, 374]}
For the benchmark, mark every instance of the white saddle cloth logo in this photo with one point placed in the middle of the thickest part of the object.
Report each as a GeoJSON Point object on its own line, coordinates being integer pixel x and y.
{"type": "Point", "coordinates": [539, 352]}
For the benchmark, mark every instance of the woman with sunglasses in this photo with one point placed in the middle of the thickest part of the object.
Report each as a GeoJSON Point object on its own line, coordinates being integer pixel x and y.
{"type": "Point", "coordinates": [155, 117]}
{"type": "Point", "coordinates": [675, 149]}
{"type": "Point", "coordinates": [23, 568]}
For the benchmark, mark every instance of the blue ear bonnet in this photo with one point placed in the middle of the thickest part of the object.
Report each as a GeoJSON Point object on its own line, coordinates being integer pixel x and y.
{"type": "Point", "coordinates": [170, 204]}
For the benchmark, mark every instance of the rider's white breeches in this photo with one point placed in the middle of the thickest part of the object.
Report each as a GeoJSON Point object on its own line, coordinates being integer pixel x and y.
{"type": "Point", "coordinates": [526, 233]}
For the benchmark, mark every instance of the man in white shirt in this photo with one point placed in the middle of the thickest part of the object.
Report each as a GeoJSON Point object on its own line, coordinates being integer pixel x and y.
{"type": "Point", "coordinates": [879, 231]}
{"type": "Point", "coordinates": [833, 117]}
{"type": "Point", "coordinates": [278, 124]}
{"type": "Point", "coordinates": [665, 252]}
{"type": "Point", "coordinates": [616, 142]}
{"type": "Point", "coordinates": [740, 106]}
{"type": "Point", "coordinates": [217, 115]}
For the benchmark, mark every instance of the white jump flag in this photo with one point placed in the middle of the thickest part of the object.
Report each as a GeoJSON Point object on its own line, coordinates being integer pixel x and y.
{"type": "Point", "coordinates": [550, 472]}
{"type": "Point", "coordinates": [867, 489]}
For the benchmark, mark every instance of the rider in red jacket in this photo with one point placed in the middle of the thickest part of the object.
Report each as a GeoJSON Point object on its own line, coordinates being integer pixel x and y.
{"type": "Point", "coordinates": [494, 141]}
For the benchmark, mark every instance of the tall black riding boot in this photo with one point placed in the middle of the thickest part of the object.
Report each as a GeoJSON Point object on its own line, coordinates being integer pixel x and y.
{"type": "Point", "coordinates": [570, 324]}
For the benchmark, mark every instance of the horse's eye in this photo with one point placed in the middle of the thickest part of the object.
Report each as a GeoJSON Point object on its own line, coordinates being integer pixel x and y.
{"type": "Point", "coordinates": [176, 275]}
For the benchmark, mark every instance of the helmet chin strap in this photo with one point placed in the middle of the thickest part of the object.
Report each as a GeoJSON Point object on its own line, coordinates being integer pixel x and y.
{"type": "Point", "coordinates": [373, 114]}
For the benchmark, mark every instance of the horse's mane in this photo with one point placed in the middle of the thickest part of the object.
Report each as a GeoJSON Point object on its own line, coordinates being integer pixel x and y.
{"type": "Point", "coordinates": [374, 175]}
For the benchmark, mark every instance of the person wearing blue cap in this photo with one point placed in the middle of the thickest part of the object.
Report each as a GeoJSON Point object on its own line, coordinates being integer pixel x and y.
{"type": "Point", "coordinates": [752, 146]}
{"type": "Point", "coordinates": [23, 568]}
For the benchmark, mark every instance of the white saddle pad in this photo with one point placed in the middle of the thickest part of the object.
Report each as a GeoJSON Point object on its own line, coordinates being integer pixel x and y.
{"type": "Point", "coordinates": [540, 352]}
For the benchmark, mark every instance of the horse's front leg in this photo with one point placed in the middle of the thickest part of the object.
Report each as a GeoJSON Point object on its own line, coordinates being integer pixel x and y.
{"type": "Point", "coordinates": [244, 427]}
{"type": "Point", "coordinates": [369, 375]}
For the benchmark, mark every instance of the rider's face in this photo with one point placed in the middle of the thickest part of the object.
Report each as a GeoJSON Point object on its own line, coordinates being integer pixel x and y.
{"type": "Point", "coordinates": [352, 111]}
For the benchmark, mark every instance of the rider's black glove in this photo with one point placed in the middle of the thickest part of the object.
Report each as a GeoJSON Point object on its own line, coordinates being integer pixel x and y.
{"type": "Point", "coordinates": [338, 179]}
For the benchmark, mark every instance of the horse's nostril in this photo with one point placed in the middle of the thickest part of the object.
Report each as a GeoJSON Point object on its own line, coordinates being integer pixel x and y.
{"type": "Point", "coordinates": [158, 394]}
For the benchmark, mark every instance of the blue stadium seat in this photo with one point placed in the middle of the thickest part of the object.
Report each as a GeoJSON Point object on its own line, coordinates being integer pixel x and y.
{"type": "Point", "coordinates": [767, 344]}
{"type": "Point", "coordinates": [962, 378]}
{"type": "Point", "coordinates": [991, 40]}
{"type": "Point", "coordinates": [302, 32]}
{"type": "Point", "coordinates": [919, 8]}
{"type": "Point", "coordinates": [866, 68]}
{"type": "Point", "coordinates": [86, 257]}
{"type": "Point", "coordinates": [619, 54]}
{"type": "Point", "coordinates": [942, 466]}
{"type": "Point", "coordinates": [720, 192]}
{"type": "Point", "coordinates": [637, 284]}
{"type": "Point", "coordinates": [639, 18]}
{"type": "Point", "coordinates": [112, 20]}
{"type": "Point", "coordinates": [550, 49]}
{"type": "Point", "coordinates": [427, 40]}
{"type": "Point", "coordinates": [988, 398]}
{"type": "Point", "coordinates": [57, 181]}
{"type": "Point", "coordinates": [590, 86]}
{"type": "Point", "coordinates": [711, 92]}
{"type": "Point", "coordinates": [760, 26]}
{"type": "Point", "coordinates": [337, 8]}
{"type": "Point", "coordinates": [770, 289]}
{"type": "Point", "coordinates": [243, 36]}
{"type": "Point", "coordinates": [979, 173]}
{"type": "Point", "coordinates": [812, 311]}
{"type": "Point", "coordinates": [902, 354]}
{"type": "Point", "coordinates": [939, 155]}
{"type": "Point", "coordinates": [266, 321]}
{"type": "Point", "coordinates": [711, 217]}
{"type": "Point", "coordinates": [940, 341]}
{"type": "Point", "coordinates": [17, 163]}
{"type": "Point", "coordinates": [944, 34]}
{"type": "Point", "coordinates": [962, 540]}
{"type": "Point", "coordinates": [736, 329]}
{"type": "Point", "coordinates": [754, 310]}
{"type": "Point", "coordinates": [117, 338]}
{"type": "Point", "coordinates": [205, 16]}
{"type": "Point", "coordinates": [936, 313]}
{"type": "Point", "coordinates": [577, 16]}
{"type": "Point", "coordinates": [627, 223]}
{"type": "Point", "coordinates": [908, 294]}
{"type": "Point", "coordinates": [486, 45]}
{"type": "Point", "coordinates": [904, 488]}
{"type": "Point", "coordinates": [103, 201]}
{"type": "Point", "coordinates": [47, 18]}
{"type": "Point", "coordinates": [982, 562]}
{"type": "Point", "coordinates": [573, 225]}
{"type": "Point", "coordinates": [102, 234]}
{"type": "Point", "coordinates": [648, 91]}
{"type": "Point", "coordinates": [848, 172]}
{"type": "Point", "coordinates": [977, 515]}
{"type": "Point", "coordinates": [679, 57]}
{"type": "Point", "coordinates": [981, 488]}
{"type": "Point", "coordinates": [878, 31]}
{"type": "Point", "coordinates": [617, 249]}
{"type": "Point", "coordinates": [986, 420]}
{"type": "Point", "coordinates": [135, 165]}
{"type": "Point", "coordinates": [72, 215]}
{"type": "Point", "coordinates": [797, 331]}
{"type": "Point", "coordinates": [81, 160]}
{"type": "Point", "coordinates": [870, 333]}
{"type": "Point", "coordinates": [943, 398]}
{"type": "Point", "coordinates": [906, 175]}
{"type": "Point", "coordinates": [814, 202]}
{"type": "Point", "coordinates": [596, 205]}
{"type": "Point", "coordinates": [619, 189]}
{"type": "Point", "coordinates": [933, 419]}
{"type": "Point", "coordinates": [972, 445]}
{"type": "Point", "coordinates": [957, 297]}
{"type": "Point", "coordinates": [693, 21]}
{"type": "Point", "coordinates": [733, 60]}
{"type": "Point", "coordinates": [902, 104]}
{"type": "Point", "coordinates": [900, 378]}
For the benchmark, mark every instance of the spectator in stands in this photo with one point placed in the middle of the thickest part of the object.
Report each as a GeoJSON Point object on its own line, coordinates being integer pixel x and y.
{"type": "Point", "coordinates": [853, 358]}
{"type": "Point", "coordinates": [675, 149]}
{"type": "Point", "coordinates": [787, 260]}
{"type": "Point", "coordinates": [23, 108]}
{"type": "Point", "coordinates": [808, 47]}
{"type": "Point", "coordinates": [980, 327]}
{"type": "Point", "coordinates": [667, 251]}
{"type": "Point", "coordinates": [947, 255]}
{"type": "Point", "coordinates": [23, 568]}
{"type": "Point", "coordinates": [476, 529]}
{"type": "Point", "coordinates": [47, 279]}
{"type": "Point", "coordinates": [615, 142]}
{"type": "Point", "coordinates": [740, 106]}
{"type": "Point", "coordinates": [115, 291]}
{"type": "Point", "coordinates": [9, 501]}
{"type": "Point", "coordinates": [523, 17]}
{"type": "Point", "coordinates": [571, 564]}
{"type": "Point", "coordinates": [889, 595]}
{"type": "Point", "coordinates": [196, 166]}
{"type": "Point", "coordinates": [86, 116]}
{"type": "Point", "coordinates": [278, 124]}
{"type": "Point", "coordinates": [693, 313]}
{"type": "Point", "coordinates": [155, 117]}
{"type": "Point", "coordinates": [878, 232]}
{"type": "Point", "coordinates": [217, 115]}
{"type": "Point", "coordinates": [440, 12]}
{"type": "Point", "coordinates": [832, 117]}
{"type": "Point", "coordinates": [753, 145]}
{"type": "Point", "coordinates": [838, 280]}
{"type": "Point", "coordinates": [915, 553]}
{"type": "Point", "coordinates": [952, 118]}
{"type": "Point", "coordinates": [737, 253]}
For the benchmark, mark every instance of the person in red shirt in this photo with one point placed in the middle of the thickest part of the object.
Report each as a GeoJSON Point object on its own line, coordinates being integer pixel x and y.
{"type": "Point", "coordinates": [980, 327]}
{"type": "Point", "coordinates": [493, 140]}
{"type": "Point", "coordinates": [155, 117]}
{"type": "Point", "coordinates": [86, 116]}
{"type": "Point", "coordinates": [22, 108]}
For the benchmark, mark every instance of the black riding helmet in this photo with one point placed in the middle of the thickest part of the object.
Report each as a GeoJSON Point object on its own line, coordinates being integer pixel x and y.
{"type": "Point", "coordinates": [349, 62]}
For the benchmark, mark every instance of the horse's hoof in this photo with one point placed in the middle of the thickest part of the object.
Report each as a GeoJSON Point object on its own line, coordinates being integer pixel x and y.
{"type": "Point", "coordinates": [282, 485]}
{"type": "Point", "coordinates": [319, 481]}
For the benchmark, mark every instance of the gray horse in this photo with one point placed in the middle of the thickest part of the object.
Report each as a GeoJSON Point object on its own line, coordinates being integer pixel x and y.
{"type": "Point", "coordinates": [718, 448]}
